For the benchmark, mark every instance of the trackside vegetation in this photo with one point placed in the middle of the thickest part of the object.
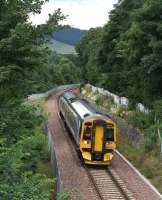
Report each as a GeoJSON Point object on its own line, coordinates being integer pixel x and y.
{"type": "Point", "coordinates": [24, 155]}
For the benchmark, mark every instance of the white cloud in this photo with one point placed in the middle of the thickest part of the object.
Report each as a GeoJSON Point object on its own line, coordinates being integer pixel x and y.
{"type": "Point", "coordinates": [82, 13]}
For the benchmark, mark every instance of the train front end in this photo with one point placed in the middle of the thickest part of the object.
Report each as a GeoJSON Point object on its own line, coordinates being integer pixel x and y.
{"type": "Point", "coordinates": [98, 140]}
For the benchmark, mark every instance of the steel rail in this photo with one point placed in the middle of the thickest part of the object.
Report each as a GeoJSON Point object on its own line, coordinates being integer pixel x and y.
{"type": "Point", "coordinates": [107, 185]}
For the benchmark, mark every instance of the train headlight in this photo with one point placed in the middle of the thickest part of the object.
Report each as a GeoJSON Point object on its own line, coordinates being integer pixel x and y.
{"type": "Point", "coordinates": [86, 142]}
{"type": "Point", "coordinates": [110, 142]}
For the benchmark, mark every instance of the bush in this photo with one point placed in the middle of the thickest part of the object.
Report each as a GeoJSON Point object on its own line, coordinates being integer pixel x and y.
{"type": "Point", "coordinates": [122, 112]}
{"type": "Point", "coordinates": [151, 138]}
{"type": "Point", "coordinates": [16, 121]}
{"type": "Point", "coordinates": [30, 186]}
{"type": "Point", "coordinates": [157, 108]}
{"type": "Point", "coordinates": [18, 168]}
{"type": "Point", "coordinates": [98, 100]}
{"type": "Point", "coordinates": [140, 120]}
{"type": "Point", "coordinates": [23, 147]}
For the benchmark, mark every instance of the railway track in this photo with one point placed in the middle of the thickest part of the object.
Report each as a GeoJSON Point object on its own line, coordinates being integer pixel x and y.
{"type": "Point", "coordinates": [95, 184]}
{"type": "Point", "coordinates": [108, 185]}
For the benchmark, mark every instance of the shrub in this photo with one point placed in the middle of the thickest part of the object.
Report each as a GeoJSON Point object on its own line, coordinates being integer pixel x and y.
{"type": "Point", "coordinates": [23, 147]}
{"type": "Point", "coordinates": [29, 186]}
{"type": "Point", "coordinates": [140, 120]}
{"type": "Point", "coordinates": [98, 100]}
{"type": "Point", "coordinates": [157, 109]}
{"type": "Point", "coordinates": [16, 121]}
{"type": "Point", "coordinates": [151, 138]}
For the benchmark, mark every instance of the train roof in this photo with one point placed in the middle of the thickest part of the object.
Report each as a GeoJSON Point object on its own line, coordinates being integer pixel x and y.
{"type": "Point", "coordinates": [70, 96]}
{"type": "Point", "coordinates": [82, 107]}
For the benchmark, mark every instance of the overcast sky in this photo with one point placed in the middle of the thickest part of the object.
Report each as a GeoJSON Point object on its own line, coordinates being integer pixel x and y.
{"type": "Point", "coordinates": [83, 14]}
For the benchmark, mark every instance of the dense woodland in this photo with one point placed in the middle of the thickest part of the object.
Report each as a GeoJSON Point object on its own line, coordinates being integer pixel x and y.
{"type": "Point", "coordinates": [125, 55]}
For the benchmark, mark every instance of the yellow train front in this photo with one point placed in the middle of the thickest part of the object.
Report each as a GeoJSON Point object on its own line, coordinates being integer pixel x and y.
{"type": "Point", "coordinates": [93, 132]}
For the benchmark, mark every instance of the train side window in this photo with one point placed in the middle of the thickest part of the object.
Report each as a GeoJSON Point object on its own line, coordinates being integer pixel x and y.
{"type": "Point", "coordinates": [87, 133]}
{"type": "Point", "coordinates": [109, 134]}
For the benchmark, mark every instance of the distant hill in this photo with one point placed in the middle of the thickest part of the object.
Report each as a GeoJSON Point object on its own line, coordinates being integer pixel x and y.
{"type": "Point", "coordinates": [69, 35]}
{"type": "Point", "coordinates": [62, 48]}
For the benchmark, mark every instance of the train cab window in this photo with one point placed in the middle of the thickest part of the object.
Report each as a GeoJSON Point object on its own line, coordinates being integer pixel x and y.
{"type": "Point", "coordinates": [87, 133]}
{"type": "Point", "coordinates": [109, 134]}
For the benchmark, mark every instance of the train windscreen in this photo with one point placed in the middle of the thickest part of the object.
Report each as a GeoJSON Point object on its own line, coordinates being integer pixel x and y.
{"type": "Point", "coordinates": [87, 133]}
{"type": "Point", "coordinates": [109, 134]}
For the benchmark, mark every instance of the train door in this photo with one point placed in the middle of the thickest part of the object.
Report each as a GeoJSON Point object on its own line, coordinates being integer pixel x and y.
{"type": "Point", "coordinates": [98, 135]}
{"type": "Point", "coordinates": [98, 139]}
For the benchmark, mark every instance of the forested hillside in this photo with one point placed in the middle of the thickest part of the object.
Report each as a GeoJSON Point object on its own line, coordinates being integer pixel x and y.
{"type": "Point", "coordinates": [68, 35]}
{"type": "Point", "coordinates": [125, 55]}
{"type": "Point", "coordinates": [63, 41]}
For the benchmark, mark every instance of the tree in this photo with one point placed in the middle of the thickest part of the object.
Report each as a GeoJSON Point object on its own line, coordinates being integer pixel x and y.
{"type": "Point", "coordinates": [21, 44]}
{"type": "Point", "coordinates": [126, 52]}
{"type": "Point", "coordinates": [23, 56]}
{"type": "Point", "coordinates": [66, 72]}
{"type": "Point", "coordinates": [87, 50]}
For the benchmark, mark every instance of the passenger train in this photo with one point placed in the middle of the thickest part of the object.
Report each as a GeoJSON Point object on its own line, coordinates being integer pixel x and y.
{"type": "Point", "coordinates": [94, 133]}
